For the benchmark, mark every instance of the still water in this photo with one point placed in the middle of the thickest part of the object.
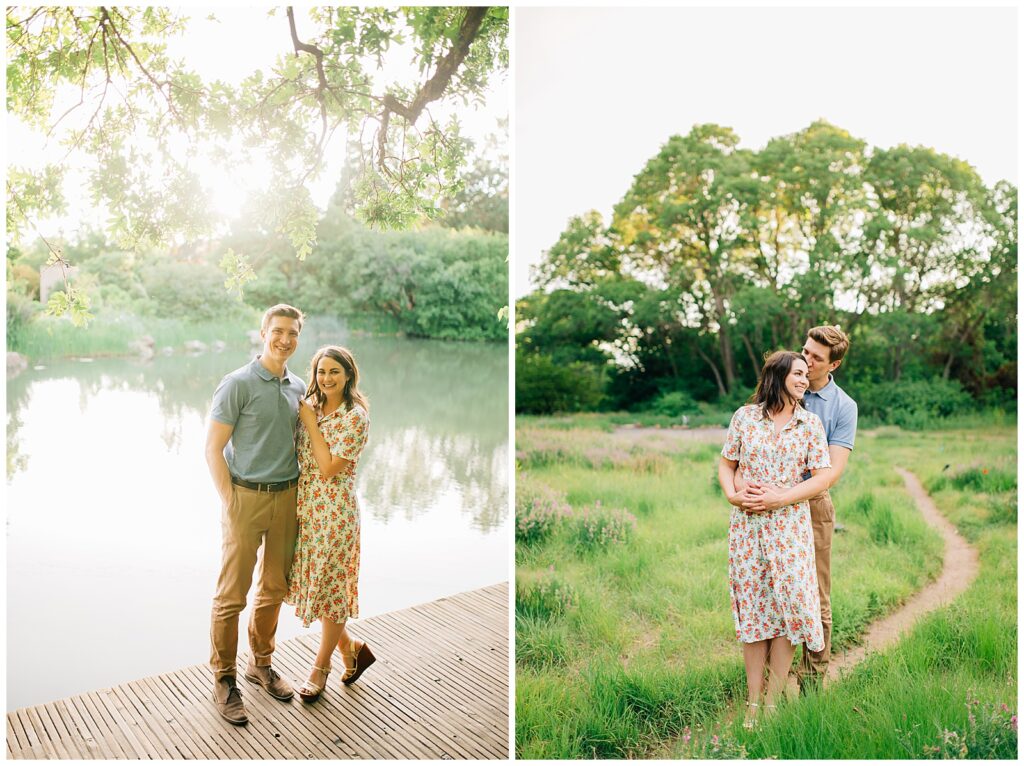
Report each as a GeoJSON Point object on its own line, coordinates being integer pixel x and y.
{"type": "Point", "coordinates": [113, 524]}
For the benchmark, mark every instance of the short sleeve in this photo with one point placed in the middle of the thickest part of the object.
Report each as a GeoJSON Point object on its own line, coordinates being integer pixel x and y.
{"type": "Point", "coordinates": [228, 400]}
{"type": "Point", "coordinates": [817, 444]}
{"type": "Point", "coordinates": [350, 439]}
{"type": "Point", "coordinates": [844, 430]}
{"type": "Point", "coordinates": [733, 439]}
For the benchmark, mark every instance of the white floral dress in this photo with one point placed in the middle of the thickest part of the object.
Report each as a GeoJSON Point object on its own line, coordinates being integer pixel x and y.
{"type": "Point", "coordinates": [324, 577]}
{"type": "Point", "coordinates": [773, 580]}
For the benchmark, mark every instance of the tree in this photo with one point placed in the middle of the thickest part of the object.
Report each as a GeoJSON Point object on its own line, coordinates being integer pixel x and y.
{"type": "Point", "coordinates": [126, 85]}
{"type": "Point", "coordinates": [691, 218]}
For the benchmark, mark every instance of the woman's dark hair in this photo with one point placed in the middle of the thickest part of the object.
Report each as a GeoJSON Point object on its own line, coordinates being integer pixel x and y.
{"type": "Point", "coordinates": [771, 391]}
{"type": "Point", "coordinates": [350, 395]}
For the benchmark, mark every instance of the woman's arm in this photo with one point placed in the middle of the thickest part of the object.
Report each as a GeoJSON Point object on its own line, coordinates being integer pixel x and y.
{"type": "Point", "coordinates": [328, 464]}
{"type": "Point", "coordinates": [726, 479]}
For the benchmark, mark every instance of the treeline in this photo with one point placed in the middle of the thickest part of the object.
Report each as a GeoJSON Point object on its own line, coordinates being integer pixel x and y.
{"type": "Point", "coordinates": [717, 254]}
{"type": "Point", "coordinates": [434, 282]}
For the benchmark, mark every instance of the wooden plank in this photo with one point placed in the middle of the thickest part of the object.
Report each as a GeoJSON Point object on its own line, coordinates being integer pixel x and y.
{"type": "Point", "coordinates": [438, 690]}
{"type": "Point", "coordinates": [135, 734]}
{"type": "Point", "coordinates": [107, 729]}
{"type": "Point", "coordinates": [177, 689]}
{"type": "Point", "coordinates": [96, 745]}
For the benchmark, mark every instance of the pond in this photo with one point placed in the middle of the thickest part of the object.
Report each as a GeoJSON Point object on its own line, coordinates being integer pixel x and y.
{"type": "Point", "coordinates": [113, 524]}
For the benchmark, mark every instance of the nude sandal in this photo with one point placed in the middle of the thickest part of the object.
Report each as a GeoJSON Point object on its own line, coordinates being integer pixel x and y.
{"type": "Point", "coordinates": [309, 691]}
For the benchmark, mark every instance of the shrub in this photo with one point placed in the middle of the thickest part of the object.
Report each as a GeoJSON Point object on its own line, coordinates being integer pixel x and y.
{"type": "Point", "coordinates": [545, 598]}
{"type": "Point", "coordinates": [539, 509]}
{"type": "Point", "coordinates": [674, 403]}
{"type": "Point", "coordinates": [977, 479]}
{"type": "Point", "coordinates": [543, 387]}
{"type": "Point", "coordinates": [912, 404]}
{"type": "Point", "coordinates": [597, 526]}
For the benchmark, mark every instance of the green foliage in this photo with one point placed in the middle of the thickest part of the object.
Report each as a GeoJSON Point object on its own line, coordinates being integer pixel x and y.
{"type": "Point", "coordinates": [674, 404]}
{"type": "Point", "coordinates": [544, 599]}
{"type": "Point", "coordinates": [718, 254]}
{"type": "Point", "coordinates": [598, 527]}
{"type": "Point", "coordinates": [152, 122]}
{"type": "Point", "coordinates": [542, 386]}
{"type": "Point", "coordinates": [539, 511]}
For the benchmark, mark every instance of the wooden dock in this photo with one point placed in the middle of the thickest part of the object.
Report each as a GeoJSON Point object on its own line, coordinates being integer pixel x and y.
{"type": "Point", "coordinates": [439, 690]}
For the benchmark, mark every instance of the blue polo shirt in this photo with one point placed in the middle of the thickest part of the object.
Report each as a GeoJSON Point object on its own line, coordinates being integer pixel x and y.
{"type": "Point", "coordinates": [263, 409]}
{"type": "Point", "coordinates": [838, 413]}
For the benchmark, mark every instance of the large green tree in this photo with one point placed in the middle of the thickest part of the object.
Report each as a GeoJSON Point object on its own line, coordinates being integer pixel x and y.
{"type": "Point", "coordinates": [148, 121]}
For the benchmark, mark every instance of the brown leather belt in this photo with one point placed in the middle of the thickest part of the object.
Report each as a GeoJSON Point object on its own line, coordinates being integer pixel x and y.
{"type": "Point", "coordinates": [277, 486]}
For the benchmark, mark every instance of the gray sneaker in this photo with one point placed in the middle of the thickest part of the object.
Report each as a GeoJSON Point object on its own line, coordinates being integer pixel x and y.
{"type": "Point", "coordinates": [267, 677]}
{"type": "Point", "coordinates": [228, 699]}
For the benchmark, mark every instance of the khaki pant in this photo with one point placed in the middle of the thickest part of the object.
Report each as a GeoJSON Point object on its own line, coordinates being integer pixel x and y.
{"type": "Point", "coordinates": [250, 520]}
{"type": "Point", "coordinates": [823, 519]}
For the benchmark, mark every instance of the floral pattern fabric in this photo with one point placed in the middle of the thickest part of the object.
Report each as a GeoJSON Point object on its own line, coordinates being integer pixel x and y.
{"type": "Point", "coordinates": [324, 577]}
{"type": "Point", "coordinates": [773, 581]}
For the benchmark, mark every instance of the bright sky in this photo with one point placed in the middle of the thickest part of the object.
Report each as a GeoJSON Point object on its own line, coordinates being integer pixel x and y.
{"type": "Point", "coordinates": [600, 90]}
{"type": "Point", "coordinates": [230, 47]}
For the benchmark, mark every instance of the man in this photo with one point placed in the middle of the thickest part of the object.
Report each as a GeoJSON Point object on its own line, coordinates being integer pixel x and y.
{"type": "Point", "coordinates": [250, 449]}
{"type": "Point", "coordinates": [823, 350]}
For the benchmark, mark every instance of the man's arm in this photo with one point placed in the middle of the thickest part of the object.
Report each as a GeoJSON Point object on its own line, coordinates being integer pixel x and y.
{"type": "Point", "coordinates": [773, 497]}
{"type": "Point", "coordinates": [839, 456]}
{"type": "Point", "coordinates": [217, 438]}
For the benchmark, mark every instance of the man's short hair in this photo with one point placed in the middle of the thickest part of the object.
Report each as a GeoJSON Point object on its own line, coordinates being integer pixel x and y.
{"type": "Point", "coordinates": [281, 310]}
{"type": "Point", "coordinates": [831, 336]}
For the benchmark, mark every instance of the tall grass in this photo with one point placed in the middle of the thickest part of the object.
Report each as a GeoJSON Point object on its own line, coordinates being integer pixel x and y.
{"type": "Point", "coordinates": [949, 688]}
{"type": "Point", "coordinates": [645, 652]}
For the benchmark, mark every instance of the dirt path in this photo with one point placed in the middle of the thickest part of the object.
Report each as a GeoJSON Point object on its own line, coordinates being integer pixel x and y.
{"type": "Point", "coordinates": [960, 566]}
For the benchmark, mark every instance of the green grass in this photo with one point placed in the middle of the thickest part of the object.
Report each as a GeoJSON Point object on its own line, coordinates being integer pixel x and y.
{"type": "Point", "coordinates": [50, 338]}
{"type": "Point", "coordinates": [643, 655]}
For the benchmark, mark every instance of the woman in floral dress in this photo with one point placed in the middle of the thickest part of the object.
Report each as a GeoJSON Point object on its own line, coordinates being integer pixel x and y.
{"type": "Point", "coordinates": [773, 583]}
{"type": "Point", "coordinates": [324, 577]}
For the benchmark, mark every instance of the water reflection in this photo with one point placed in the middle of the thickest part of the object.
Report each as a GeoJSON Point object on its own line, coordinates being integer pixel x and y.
{"type": "Point", "coordinates": [112, 521]}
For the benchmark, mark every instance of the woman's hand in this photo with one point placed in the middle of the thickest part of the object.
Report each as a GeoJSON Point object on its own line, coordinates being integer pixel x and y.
{"type": "Point", "coordinates": [307, 414]}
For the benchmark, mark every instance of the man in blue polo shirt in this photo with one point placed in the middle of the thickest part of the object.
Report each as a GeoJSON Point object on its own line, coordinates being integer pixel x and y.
{"type": "Point", "coordinates": [823, 350]}
{"type": "Point", "coordinates": [250, 450]}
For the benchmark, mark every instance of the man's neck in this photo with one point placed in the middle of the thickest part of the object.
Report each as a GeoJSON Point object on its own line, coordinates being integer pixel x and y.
{"type": "Point", "coordinates": [276, 370]}
{"type": "Point", "coordinates": [821, 385]}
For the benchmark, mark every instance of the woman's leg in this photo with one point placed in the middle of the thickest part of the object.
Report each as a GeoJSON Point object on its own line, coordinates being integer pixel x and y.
{"type": "Point", "coordinates": [345, 646]}
{"type": "Point", "coordinates": [780, 659]}
{"type": "Point", "coordinates": [328, 640]}
{"type": "Point", "coordinates": [755, 655]}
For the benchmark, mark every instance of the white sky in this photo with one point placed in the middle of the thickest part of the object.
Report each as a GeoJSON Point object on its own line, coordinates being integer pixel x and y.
{"type": "Point", "coordinates": [600, 90]}
{"type": "Point", "coordinates": [240, 40]}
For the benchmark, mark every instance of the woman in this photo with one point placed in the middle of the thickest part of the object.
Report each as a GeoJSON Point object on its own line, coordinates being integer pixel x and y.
{"type": "Point", "coordinates": [323, 581]}
{"type": "Point", "coordinates": [773, 583]}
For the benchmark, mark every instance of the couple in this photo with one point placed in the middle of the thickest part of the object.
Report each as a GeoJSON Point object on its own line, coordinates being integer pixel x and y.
{"type": "Point", "coordinates": [282, 457]}
{"type": "Point", "coordinates": [782, 453]}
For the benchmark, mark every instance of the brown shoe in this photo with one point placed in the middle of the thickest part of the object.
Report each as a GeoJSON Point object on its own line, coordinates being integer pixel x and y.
{"type": "Point", "coordinates": [361, 658]}
{"type": "Point", "coordinates": [268, 678]}
{"type": "Point", "coordinates": [228, 699]}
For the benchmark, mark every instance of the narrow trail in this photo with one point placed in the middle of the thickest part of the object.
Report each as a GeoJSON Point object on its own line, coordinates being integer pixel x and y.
{"type": "Point", "coordinates": [960, 566]}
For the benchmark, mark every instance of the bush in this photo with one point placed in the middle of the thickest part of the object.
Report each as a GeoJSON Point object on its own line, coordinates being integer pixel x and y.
{"type": "Point", "coordinates": [543, 387]}
{"type": "Point", "coordinates": [597, 527]}
{"type": "Point", "coordinates": [912, 404]}
{"type": "Point", "coordinates": [545, 598]}
{"type": "Point", "coordinates": [674, 403]}
{"type": "Point", "coordinates": [538, 511]}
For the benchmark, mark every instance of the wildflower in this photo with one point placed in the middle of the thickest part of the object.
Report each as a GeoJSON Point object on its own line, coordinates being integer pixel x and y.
{"type": "Point", "coordinates": [1013, 722]}
{"type": "Point", "coordinates": [687, 736]}
{"type": "Point", "coordinates": [984, 471]}
{"type": "Point", "coordinates": [714, 740]}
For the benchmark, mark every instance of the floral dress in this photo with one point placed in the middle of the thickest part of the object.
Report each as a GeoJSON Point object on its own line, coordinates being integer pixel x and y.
{"type": "Point", "coordinates": [324, 577]}
{"type": "Point", "coordinates": [773, 581]}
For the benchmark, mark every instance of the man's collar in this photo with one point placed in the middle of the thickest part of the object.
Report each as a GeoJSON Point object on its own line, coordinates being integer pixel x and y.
{"type": "Point", "coordinates": [826, 391]}
{"type": "Point", "coordinates": [266, 374]}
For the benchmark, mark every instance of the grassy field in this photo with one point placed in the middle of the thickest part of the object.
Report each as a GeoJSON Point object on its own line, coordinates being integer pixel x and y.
{"type": "Point", "coordinates": [624, 638]}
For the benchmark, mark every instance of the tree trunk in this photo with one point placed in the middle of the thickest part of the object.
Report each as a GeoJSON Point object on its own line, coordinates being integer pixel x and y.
{"type": "Point", "coordinates": [714, 368]}
{"type": "Point", "coordinates": [753, 357]}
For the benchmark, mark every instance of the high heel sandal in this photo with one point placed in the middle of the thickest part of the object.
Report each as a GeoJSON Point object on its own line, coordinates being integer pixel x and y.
{"type": "Point", "coordinates": [309, 691]}
{"type": "Point", "coordinates": [361, 658]}
{"type": "Point", "coordinates": [750, 719]}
